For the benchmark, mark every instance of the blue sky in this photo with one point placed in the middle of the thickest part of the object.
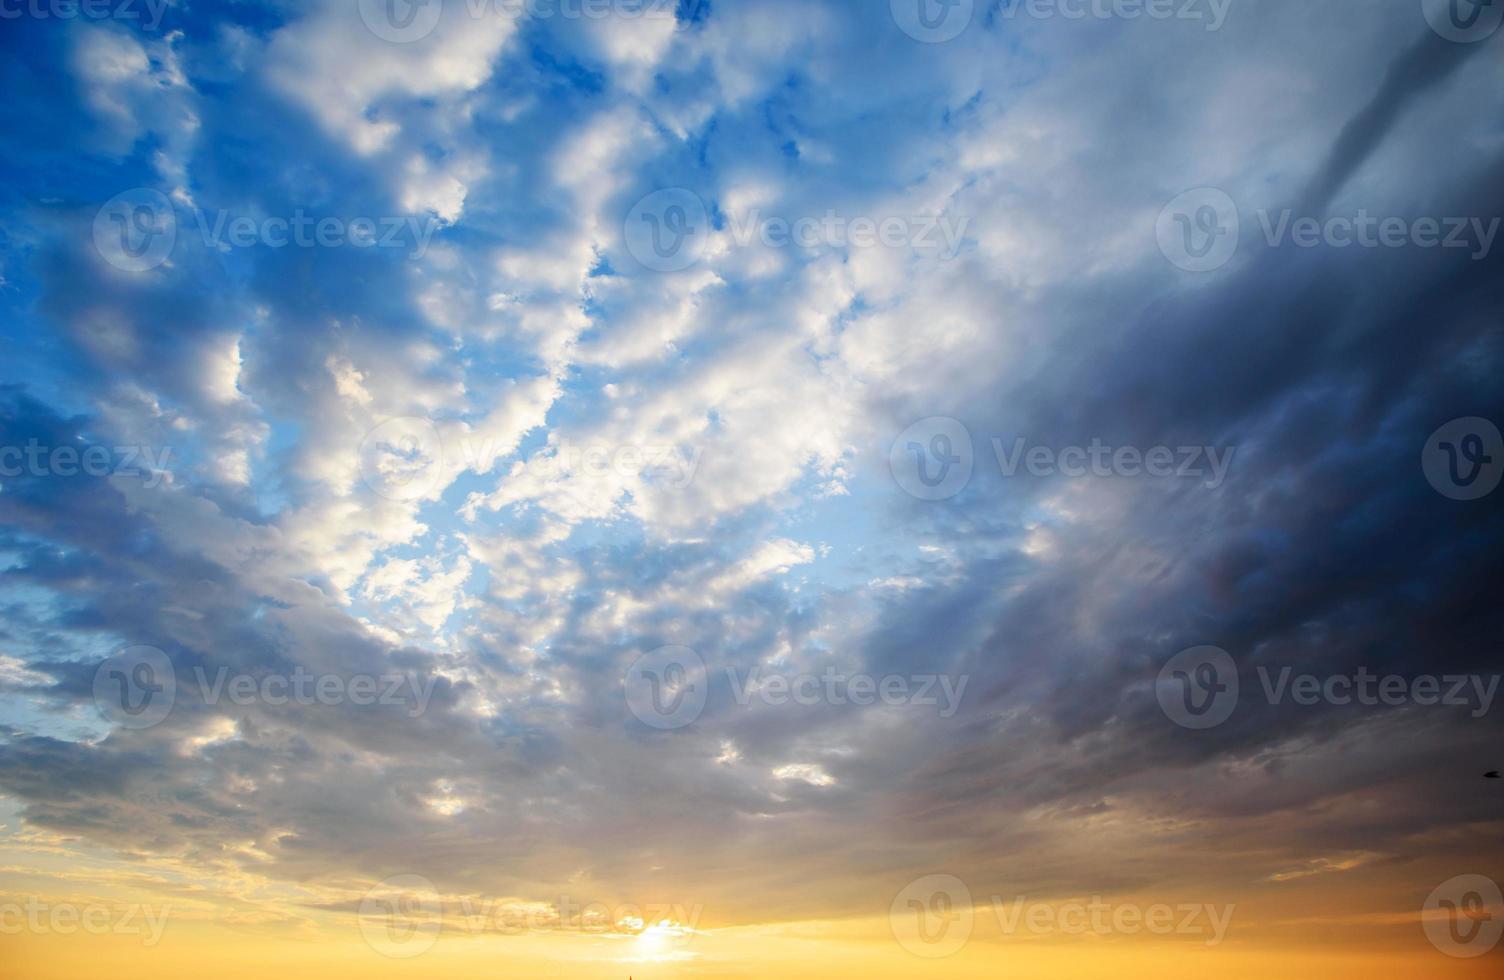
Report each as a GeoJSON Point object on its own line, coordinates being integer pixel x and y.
{"type": "Point", "coordinates": [486, 434]}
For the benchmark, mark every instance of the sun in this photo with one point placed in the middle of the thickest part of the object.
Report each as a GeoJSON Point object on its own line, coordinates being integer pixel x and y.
{"type": "Point", "coordinates": [656, 942]}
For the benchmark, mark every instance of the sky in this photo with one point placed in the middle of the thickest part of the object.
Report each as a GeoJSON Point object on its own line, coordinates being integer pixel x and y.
{"type": "Point", "coordinates": [702, 489]}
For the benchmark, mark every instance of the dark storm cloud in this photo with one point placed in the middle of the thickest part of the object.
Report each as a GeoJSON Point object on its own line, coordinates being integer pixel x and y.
{"type": "Point", "coordinates": [1426, 65]}
{"type": "Point", "coordinates": [1326, 551]}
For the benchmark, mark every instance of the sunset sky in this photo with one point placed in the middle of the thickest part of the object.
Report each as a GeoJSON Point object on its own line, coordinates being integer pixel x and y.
{"type": "Point", "coordinates": [741, 488]}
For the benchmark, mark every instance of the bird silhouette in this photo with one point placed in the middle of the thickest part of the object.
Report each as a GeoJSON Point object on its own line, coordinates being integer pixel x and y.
{"type": "Point", "coordinates": [1492, 775]}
